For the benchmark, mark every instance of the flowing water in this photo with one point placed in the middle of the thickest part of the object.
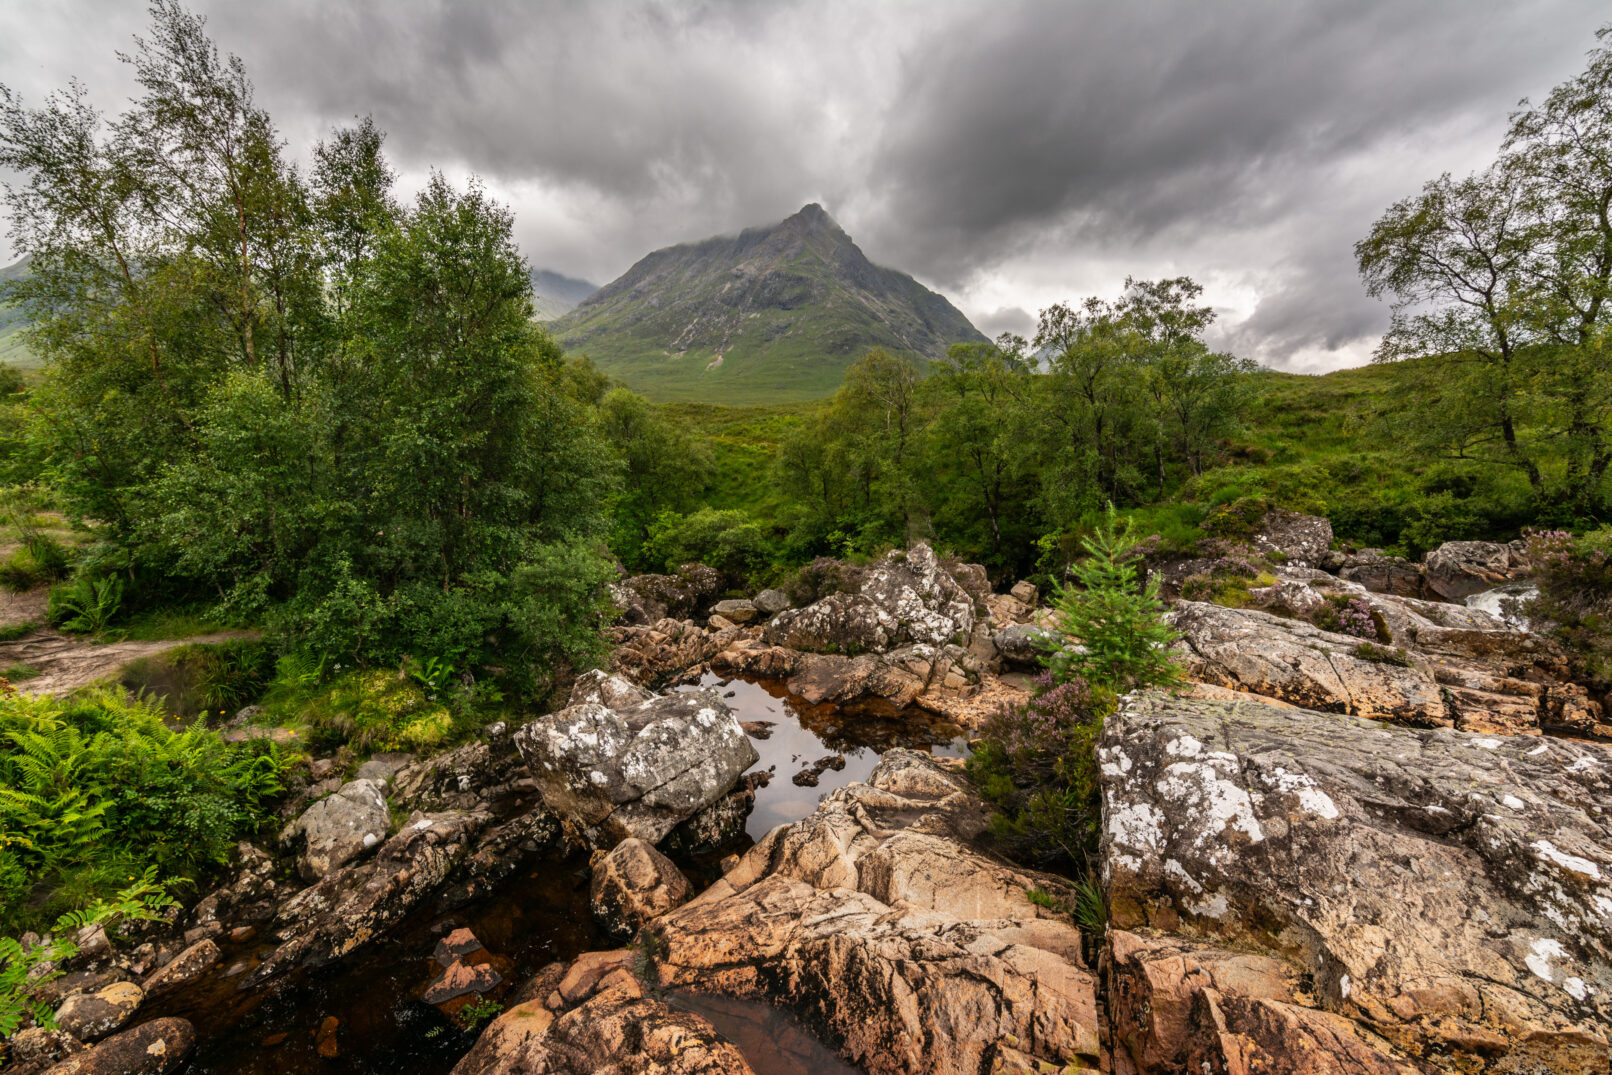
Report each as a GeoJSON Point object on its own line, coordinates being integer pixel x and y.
{"type": "Point", "coordinates": [539, 915]}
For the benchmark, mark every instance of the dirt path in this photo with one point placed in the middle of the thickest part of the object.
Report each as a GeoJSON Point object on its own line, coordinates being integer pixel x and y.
{"type": "Point", "coordinates": [66, 663]}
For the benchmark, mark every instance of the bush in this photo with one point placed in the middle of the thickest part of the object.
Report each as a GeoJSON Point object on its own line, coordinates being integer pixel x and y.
{"type": "Point", "coordinates": [1112, 631]}
{"type": "Point", "coordinates": [87, 604]}
{"type": "Point", "coordinates": [1574, 576]}
{"type": "Point", "coordinates": [730, 541]}
{"type": "Point", "coordinates": [97, 787]}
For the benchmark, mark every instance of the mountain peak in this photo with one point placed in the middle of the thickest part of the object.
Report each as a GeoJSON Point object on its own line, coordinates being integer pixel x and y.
{"type": "Point", "coordinates": [774, 313]}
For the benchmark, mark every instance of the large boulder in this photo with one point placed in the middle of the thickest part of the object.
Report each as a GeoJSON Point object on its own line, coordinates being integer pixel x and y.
{"type": "Point", "coordinates": [153, 1048]}
{"type": "Point", "coordinates": [878, 920]}
{"type": "Point", "coordinates": [1303, 539]}
{"type": "Point", "coordinates": [638, 771]}
{"type": "Point", "coordinates": [358, 902]}
{"type": "Point", "coordinates": [1300, 884]}
{"type": "Point", "coordinates": [1457, 569]}
{"type": "Point", "coordinates": [645, 599]}
{"type": "Point", "coordinates": [337, 829]}
{"type": "Point", "coordinates": [92, 1016]}
{"type": "Point", "coordinates": [907, 597]}
{"type": "Point", "coordinates": [633, 884]}
{"type": "Point", "coordinates": [1381, 573]}
{"type": "Point", "coordinates": [840, 623]}
{"type": "Point", "coordinates": [667, 648]}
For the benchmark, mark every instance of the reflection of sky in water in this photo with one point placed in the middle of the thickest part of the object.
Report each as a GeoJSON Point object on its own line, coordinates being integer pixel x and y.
{"type": "Point", "coordinates": [803, 733]}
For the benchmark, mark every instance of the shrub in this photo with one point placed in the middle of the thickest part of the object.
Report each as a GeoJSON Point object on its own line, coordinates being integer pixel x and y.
{"type": "Point", "coordinates": [1574, 576]}
{"type": "Point", "coordinates": [87, 604]}
{"type": "Point", "coordinates": [1343, 614]}
{"type": "Point", "coordinates": [1368, 651]}
{"type": "Point", "coordinates": [95, 787]}
{"type": "Point", "coordinates": [730, 541]}
{"type": "Point", "coordinates": [1112, 631]}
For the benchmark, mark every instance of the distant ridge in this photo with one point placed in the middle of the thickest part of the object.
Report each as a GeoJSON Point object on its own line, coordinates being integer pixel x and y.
{"type": "Point", "coordinates": [554, 294]}
{"type": "Point", "coordinates": [771, 314]}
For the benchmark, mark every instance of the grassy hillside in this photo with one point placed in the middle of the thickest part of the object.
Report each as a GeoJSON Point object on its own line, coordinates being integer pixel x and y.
{"type": "Point", "coordinates": [13, 352]}
{"type": "Point", "coordinates": [773, 314]}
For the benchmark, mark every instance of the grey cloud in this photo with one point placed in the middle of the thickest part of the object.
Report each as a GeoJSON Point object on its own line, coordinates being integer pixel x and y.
{"type": "Point", "coordinates": [992, 149]}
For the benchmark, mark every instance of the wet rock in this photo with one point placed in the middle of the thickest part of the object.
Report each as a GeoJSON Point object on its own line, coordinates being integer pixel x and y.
{"type": "Point", "coordinates": [736, 611]}
{"type": "Point", "coordinates": [325, 1040]}
{"type": "Point", "coordinates": [1443, 893]}
{"type": "Point", "coordinates": [461, 942]}
{"type": "Point", "coordinates": [636, 771]}
{"type": "Point", "coordinates": [92, 1016]}
{"type": "Point", "coordinates": [718, 823]}
{"type": "Point", "coordinates": [1458, 569]}
{"type": "Point", "coordinates": [460, 979]}
{"type": "Point", "coordinates": [36, 1048]}
{"type": "Point", "coordinates": [153, 1048]}
{"type": "Point", "coordinates": [911, 949]}
{"type": "Point", "coordinates": [183, 969]}
{"type": "Point", "coordinates": [808, 777]}
{"type": "Point", "coordinates": [335, 830]}
{"type": "Point", "coordinates": [633, 884]}
{"type": "Point", "coordinates": [753, 658]}
{"type": "Point", "coordinates": [771, 602]}
{"type": "Point", "coordinates": [1299, 538]}
{"type": "Point", "coordinates": [352, 905]}
{"type": "Point", "coordinates": [822, 677]}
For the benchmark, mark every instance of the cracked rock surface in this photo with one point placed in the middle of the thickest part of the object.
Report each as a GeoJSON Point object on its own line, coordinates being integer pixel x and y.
{"type": "Point", "coordinates": [636, 771]}
{"type": "Point", "coordinates": [1429, 899]}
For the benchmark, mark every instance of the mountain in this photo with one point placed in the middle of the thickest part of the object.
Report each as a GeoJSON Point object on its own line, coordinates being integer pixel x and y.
{"type": "Point", "coordinates": [554, 294]}
{"type": "Point", "coordinates": [13, 321]}
{"type": "Point", "coordinates": [768, 315]}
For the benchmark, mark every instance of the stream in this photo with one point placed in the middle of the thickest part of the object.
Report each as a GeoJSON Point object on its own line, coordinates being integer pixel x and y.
{"type": "Point", "coordinates": [539, 915]}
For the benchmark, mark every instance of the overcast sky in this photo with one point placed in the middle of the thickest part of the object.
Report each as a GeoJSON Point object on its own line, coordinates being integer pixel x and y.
{"type": "Point", "coordinates": [1008, 154]}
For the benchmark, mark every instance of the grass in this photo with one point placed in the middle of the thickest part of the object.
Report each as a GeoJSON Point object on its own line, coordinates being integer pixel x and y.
{"type": "Point", "coordinates": [165, 624]}
{"type": "Point", "coordinates": [17, 672]}
{"type": "Point", "coordinates": [10, 632]}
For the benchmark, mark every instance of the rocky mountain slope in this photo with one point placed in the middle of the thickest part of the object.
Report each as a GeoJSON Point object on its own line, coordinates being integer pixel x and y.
{"type": "Point", "coordinates": [774, 313]}
{"type": "Point", "coordinates": [555, 294]}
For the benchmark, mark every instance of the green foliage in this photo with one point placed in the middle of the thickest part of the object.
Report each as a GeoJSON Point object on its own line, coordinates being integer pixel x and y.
{"type": "Point", "coordinates": [1370, 651]}
{"type": "Point", "coordinates": [1111, 630]}
{"type": "Point", "coordinates": [1574, 576]}
{"type": "Point", "coordinates": [729, 541]}
{"type": "Point", "coordinates": [97, 786]}
{"type": "Point", "coordinates": [87, 604]}
{"type": "Point", "coordinates": [25, 970]}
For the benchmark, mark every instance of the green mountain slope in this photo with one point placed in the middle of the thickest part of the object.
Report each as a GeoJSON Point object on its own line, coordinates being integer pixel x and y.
{"type": "Point", "coordinates": [13, 352]}
{"type": "Point", "coordinates": [555, 294]}
{"type": "Point", "coordinates": [772, 314]}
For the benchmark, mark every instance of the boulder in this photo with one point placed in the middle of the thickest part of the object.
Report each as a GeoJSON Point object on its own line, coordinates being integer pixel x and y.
{"type": "Point", "coordinates": [645, 599]}
{"type": "Point", "coordinates": [633, 884]}
{"type": "Point", "coordinates": [36, 1049]}
{"type": "Point", "coordinates": [606, 689]}
{"type": "Point", "coordinates": [598, 1020]}
{"type": "Point", "coordinates": [92, 1016]}
{"type": "Point", "coordinates": [337, 829]}
{"type": "Point", "coordinates": [1381, 573]}
{"type": "Point", "coordinates": [469, 777]}
{"type": "Point", "coordinates": [771, 602]}
{"type": "Point", "coordinates": [667, 648]}
{"type": "Point", "coordinates": [1303, 539]}
{"type": "Point", "coordinates": [911, 949]}
{"type": "Point", "coordinates": [1025, 592]}
{"type": "Point", "coordinates": [153, 1048]}
{"type": "Point", "coordinates": [1310, 885]}
{"type": "Point", "coordinates": [1020, 644]}
{"type": "Point", "coordinates": [381, 768]}
{"type": "Point", "coordinates": [183, 968]}
{"type": "Point", "coordinates": [637, 771]}
{"type": "Point", "coordinates": [926, 602]}
{"type": "Point", "coordinates": [356, 903]}
{"type": "Point", "coordinates": [1457, 569]}
{"type": "Point", "coordinates": [821, 677]}
{"type": "Point", "coordinates": [736, 610]}
{"type": "Point", "coordinates": [841, 623]}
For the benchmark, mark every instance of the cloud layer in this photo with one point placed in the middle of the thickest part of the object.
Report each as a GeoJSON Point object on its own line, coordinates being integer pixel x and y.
{"type": "Point", "coordinates": [1012, 154]}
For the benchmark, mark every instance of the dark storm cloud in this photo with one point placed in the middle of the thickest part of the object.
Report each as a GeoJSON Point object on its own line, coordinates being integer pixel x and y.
{"type": "Point", "coordinates": [1012, 153]}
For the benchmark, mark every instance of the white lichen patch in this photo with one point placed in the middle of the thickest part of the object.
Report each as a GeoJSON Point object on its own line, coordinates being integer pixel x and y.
{"type": "Point", "coordinates": [1513, 802]}
{"type": "Point", "coordinates": [1185, 747]}
{"type": "Point", "coordinates": [1312, 800]}
{"type": "Point", "coordinates": [1543, 951]}
{"type": "Point", "coordinates": [1540, 749]}
{"type": "Point", "coordinates": [1210, 798]}
{"type": "Point", "coordinates": [1178, 871]}
{"type": "Point", "coordinates": [1488, 744]}
{"type": "Point", "coordinates": [1575, 988]}
{"type": "Point", "coordinates": [1344, 986]}
{"type": "Point", "coordinates": [1114, 762]}
{"type": "Point", "coordinates": [1214, 907]}
{"type": "Point", "coordinates": [1582, 764]}
{"type": "Point", "coordinates": [1137, 825]}
{"type": "Point", "coordinates": [1550, 853]}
